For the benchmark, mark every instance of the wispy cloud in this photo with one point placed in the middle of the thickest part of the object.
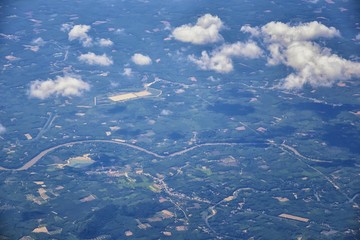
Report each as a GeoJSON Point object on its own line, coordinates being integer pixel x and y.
{"type": "Point", "coordinates": [65, 27]}
{"type": "Point", "coordinates": [38, 41]}
{"type": "Point", "coordinates": [36, 44]}
{"type": "Point", "coordinates": [206, 30]}
{"type": "Point", "coordinates": [127, 72]}
{"type": "Point", "coordinates": [2, 129]}
{"type": "Point", "coordinates": [357, 37]}
{"type": "Point", "coordinates": [60, 86]}
{"type": "Point", "coordinates": [93, 59]}
{"type": "Point", "coordinates": [141, 59]}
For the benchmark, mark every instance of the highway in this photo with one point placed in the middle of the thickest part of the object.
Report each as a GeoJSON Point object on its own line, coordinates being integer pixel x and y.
{"type": "Point", "coordinates": [39, 156]}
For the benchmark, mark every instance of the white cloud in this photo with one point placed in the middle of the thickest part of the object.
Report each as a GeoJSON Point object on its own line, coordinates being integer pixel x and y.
{"type": "Point", "coordinates": [93, 59]}
{"type": "Point", "coordinates": [254, 31]}
{"type": "Point", "coordinates": [357, 38]}
{"type": "Point", "coordinates": [206, 30]}
{"type": "Point", "coordinates": [278, 36]}
{"type": "Point", "coordinates": [61, 86]}
{"type": "Point", "coordinates": [294, 47]}
{"type": "Point", "coordinates": [80, 32]}
{"type": "Point", "coordinates": [105, 42]}
{"type": "Point", "coordinates": [127, 72]}
{"type": "Point", "coordinates": [65, 27]}
{"type": "Point", "coordinates": [36, 44]}
{"type": "Point", "coordinates": [141, 59]}
{"type": "Point", "coordinates": [220, 60]}
{"type": "Point", "coordinates": [316, 66]}
{"type": "Point", "coordinates": [165, 112]}
{"type": "Point", "coordinates": [278, 32]}
{"type": "Point", "coordinates": [38, 41]}
{"type": "Point", "coordinates": [2, 129]}
{"type": "Point", "coordinates": [167, 25]}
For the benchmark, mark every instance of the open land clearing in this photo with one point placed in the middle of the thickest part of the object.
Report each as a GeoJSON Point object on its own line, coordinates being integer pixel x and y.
{"type": "Point", "coordinates": [292, 217]}
{"type": "Point", "coordinates": [148, 92]}
{"type": "Point", "coordinates": [129, 96]}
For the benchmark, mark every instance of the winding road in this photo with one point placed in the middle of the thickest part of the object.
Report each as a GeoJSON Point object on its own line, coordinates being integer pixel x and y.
{"type": "Point", "coordinates": [38, 157]}
{"type": "Point", "coordinates": [300, 155]}
{"type": "Point", "coordinates": [283, 146]}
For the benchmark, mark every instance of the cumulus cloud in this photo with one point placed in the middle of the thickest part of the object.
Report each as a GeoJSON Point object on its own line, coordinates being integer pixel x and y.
{"type": "Point", "coordinates": [254, 31]}
{"type": "Point", "coordinates": [206, 30]}
{"type": "Point", "coordinates": [141, 59]}
{"type": "Point", "coordinates": [2, 129]}
{"type": "Point", "coordinates": [220, 60]}
{"type": "Point", "coordinates": [316, 66]}
{"type": "Point", "coordinates": [93, 59]}
{"type": "Point", "coordinates": [295, 47]}
{"type": "Point", "coordinates": [285, 34]}
{"type": "Point", "coordinates": [61, 86]}
{"type": "Point", "coordinates": [105, 42]}
{"type": "Point", "coordinates": [79, 32]}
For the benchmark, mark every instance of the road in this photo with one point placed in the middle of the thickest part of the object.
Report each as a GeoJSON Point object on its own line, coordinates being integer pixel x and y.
{"type": "Point", "coordinates": [282, 146]}
{"type": "Point", "coordinates": [39, 156]}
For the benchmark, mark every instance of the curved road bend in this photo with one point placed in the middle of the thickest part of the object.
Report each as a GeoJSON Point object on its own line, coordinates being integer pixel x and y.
{"type": "Point", "coordinates": [300, 155]}
{"type": "Point", "coordinates": [38, 157]}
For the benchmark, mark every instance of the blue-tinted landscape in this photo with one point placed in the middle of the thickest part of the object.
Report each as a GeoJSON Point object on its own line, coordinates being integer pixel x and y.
{"type": "Point", "coordinates": [180, 119]}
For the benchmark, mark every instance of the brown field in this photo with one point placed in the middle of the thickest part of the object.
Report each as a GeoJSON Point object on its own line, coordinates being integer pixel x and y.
{"type": "Point", "coordinates": [42, 193]}
{"type": "Point", "coordinates": [129, 96]}
{"type": "Point", "coordinates": [28, 136]}
{"type": "Point", "coordinates": [288, 216]}
{"type": "Point", "coordinates": [142, 93]}
{"type": "Point", "coordinates": [42, 229]}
